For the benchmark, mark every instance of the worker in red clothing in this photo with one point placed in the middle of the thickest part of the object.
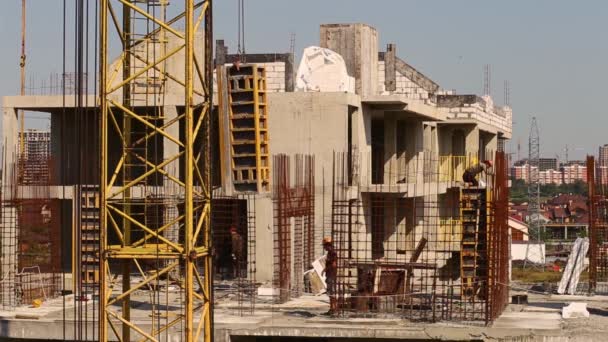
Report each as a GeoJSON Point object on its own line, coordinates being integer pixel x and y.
{"type": "Point", "coordinates": [471, 172]}
{"type": "Point", "coordinates": [331, 273]}
{"type": "Point", "coordinates": [237, 251]}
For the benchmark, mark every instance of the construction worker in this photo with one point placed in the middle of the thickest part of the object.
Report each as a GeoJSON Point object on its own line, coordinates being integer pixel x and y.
{"type": "Point", "coordinates": [237, 251]}
{"type": "Point", "coordinates": [331, 273]}
{"type": "Point", "coordinates": [472, 171]}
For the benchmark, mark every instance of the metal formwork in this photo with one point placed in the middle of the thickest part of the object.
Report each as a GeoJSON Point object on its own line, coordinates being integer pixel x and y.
{"type": "Point", "coordinates": [132, 92]}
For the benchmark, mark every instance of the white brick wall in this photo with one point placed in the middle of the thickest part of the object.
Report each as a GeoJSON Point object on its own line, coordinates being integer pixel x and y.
{"type": "Point", "coordinates": [275, 77]}
{"type": "Point", "coordinates": [405, 86]}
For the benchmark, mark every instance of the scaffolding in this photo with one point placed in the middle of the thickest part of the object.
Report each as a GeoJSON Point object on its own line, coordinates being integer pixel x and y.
{"type": "Point", "coordinates": [404, 247]}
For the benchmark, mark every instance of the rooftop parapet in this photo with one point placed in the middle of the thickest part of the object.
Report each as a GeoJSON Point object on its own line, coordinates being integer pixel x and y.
{"type": "Point", "coordinates": [478, 108]}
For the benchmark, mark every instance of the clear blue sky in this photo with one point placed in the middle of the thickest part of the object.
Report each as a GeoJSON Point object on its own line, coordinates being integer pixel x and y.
{"type": "Point", "coordinates": [553, 52]}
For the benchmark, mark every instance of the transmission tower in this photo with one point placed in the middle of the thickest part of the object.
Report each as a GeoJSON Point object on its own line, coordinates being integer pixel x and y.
{"type": "Point", "coordinates": [292, 43]}
{"type": "Point", "coordinates": [487, 79]}
{"type": "Point", "coordinates": [507, 94]}
{"type": "Point", "coordinates": [534, 250]}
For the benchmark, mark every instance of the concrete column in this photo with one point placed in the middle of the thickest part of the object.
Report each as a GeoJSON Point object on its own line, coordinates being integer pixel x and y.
{"type": "Point", "coordinates": [472, 141]}
{"type": "Point", "coordinates": [390, 75]}
{"type": "Point", "coordinates": [220, 52]}
{"type": "Point", "coordinates": [390, 149]}
{"type": "Point", "coordinates": [264, 238]}
{"type": "Point", "coordinates": [413, 145]}
{"type": "Point", "coordinates": [491, 142]}
{"type": "Point", "coordinates": [224, 135]}
{"type": "Point", "coordinates": [358, 46]}
{"type": "Point", "coordinates": [362, 135]}
{"type": "Point", "coordinates": [10, 141]}
{"type": "Point", "coordinates": [389, 230]}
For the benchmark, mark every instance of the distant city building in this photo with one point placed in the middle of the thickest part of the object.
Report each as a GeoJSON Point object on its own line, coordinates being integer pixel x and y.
{"type": "Point", "coordinates": [602, 174]}
{"type": "Point", "coordinates": [603, 156]}
{"type": "Point", "coordinates": [574, 162]}
{"type": "Point", "coordinates": [573, 173]}
{"type": "Point", "coordinates": [37, 144]}
{"type": "Point", "coordinates": [35, 157]}
{"type": "Point", "coordinates": [547, 164]}
{"type": "Point", "coordinates": [567, 174]}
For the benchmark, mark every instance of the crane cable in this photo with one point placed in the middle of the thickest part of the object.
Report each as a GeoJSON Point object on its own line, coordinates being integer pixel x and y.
{"type": "Point", "coordinates": [241, 27]}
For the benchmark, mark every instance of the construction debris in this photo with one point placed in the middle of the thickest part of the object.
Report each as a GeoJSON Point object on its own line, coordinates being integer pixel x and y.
{"type": "Point", "coordinates": [574, 267]}
{"type": "Point", "coordinates": [575, 310]}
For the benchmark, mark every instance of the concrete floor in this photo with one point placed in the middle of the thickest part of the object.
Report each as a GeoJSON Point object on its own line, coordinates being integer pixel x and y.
{"type": "Point", "coordinates": [539, 321]}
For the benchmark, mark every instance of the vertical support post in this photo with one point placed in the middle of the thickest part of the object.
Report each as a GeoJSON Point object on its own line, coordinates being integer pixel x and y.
{"type": "Point", "coordinates": [593, 243]}
{"type": "Point", "coordinates": [127, 171]}
{"type": "Point", "coordinates": [189, 173]}
{"type": "Point", "coordinates": [390, 74]}
{"type": "Point", "coordinates": [189, 136]}
{"type": "Point", "coordinates": [207, 314]}
{"type": "Point", "coordinates": [22, 92]}
{"type": "Point", "coordinates": [103, 145]}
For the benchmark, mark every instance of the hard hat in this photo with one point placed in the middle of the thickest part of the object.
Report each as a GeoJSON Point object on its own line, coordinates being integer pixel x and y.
{"type": "Point", "coordinates": [233, 229]}
{"type": "Point", "coordinates": [327, 240]}
{"type": "Point", "coordinates": [488, 162]}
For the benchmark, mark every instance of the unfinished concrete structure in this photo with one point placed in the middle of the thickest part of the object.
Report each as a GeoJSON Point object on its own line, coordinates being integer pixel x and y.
{"type": "Point", "coordinates": [395, 148]}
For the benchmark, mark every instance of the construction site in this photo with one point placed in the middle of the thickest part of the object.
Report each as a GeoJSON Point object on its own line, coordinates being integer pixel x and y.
{"type": "Point", "coordinates": [184, 189]}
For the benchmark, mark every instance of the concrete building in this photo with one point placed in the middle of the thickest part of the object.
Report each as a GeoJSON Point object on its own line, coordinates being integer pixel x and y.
{"type": "Point", "coordinates": [36, 143]}
{"type": "Point", "coordinates": [545, 164]}
{"type": "Point", "coordinates": [603, 156]}
{"type": "Point", "coordinates": [567, 174]}
{"type": "Point", "coordinates": [406, 143]}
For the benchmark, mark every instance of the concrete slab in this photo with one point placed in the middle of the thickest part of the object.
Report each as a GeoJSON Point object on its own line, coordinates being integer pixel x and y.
{"type": "Point", "coordinates": [529, 320]}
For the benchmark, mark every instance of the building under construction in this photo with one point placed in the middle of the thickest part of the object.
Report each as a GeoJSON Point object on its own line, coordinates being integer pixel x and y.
{"type": "Point", "coordinates": [157, 206]}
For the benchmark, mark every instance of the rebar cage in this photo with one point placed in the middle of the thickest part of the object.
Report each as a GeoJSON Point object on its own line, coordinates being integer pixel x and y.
{"type": "Point", "coordinates": [421, 250]}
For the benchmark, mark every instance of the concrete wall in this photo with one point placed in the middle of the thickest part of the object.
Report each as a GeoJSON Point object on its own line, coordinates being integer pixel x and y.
{"type": "Point", "coordinates": [10, 142]}
{"type": "Point", "coordinates": [264, 253]}
{"type": "Point", "coordinates": [174, 66]}
{"type": "Point", "coordinates": [358, 45]}
{"type": "Point", "coordinates": [275, 76]}
{"type": "Point", "coordinates": [306, 123]}
{"type": "Point", "coordinates": [480, 110]}
{"type": "Point", "coordinates": [312, 123]}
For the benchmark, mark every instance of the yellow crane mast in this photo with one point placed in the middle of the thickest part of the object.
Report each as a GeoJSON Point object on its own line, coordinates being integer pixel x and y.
{"type": "Point", "coordinates": [135, 182]}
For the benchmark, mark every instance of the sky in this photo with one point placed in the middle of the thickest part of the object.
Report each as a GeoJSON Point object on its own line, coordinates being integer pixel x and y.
{"type": "Point", "coordinates": [553, 52]}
